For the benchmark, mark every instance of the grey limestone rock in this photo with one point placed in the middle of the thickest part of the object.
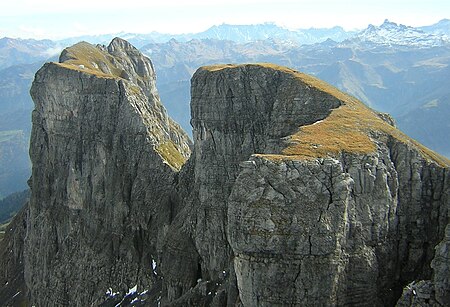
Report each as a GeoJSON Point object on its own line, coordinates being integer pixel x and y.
{"type": "Point", "coordinates": [105, 157]}
{"type": "Point", "coordinates": [13, 291]}
{"type": "Point", "coordinates": [342, 229]}
{"type": "Point", "coordinates": [441, 269]}
{"type": "Point", "coordinates": [235, 113]}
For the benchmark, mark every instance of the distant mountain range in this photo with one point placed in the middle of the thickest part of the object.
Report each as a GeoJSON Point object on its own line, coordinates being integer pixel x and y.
{"type": "Point", "coordinates": [393, 68]}
{"type": "Point", "coordinates": [22, 51]}
{"type": "Point", "coordinates": [236, 33]}
{"type": "Point", "coordinates": [25, 51]}
{"type": "Point", "coordinates": [442, 27]}
{"type": "Point", "coordinates": [395, 35]}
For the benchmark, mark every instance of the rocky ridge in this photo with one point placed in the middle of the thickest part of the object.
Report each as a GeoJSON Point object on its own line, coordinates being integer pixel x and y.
{"type": "Point", "coordinates": [100, 137]}
{"type": "Point", "coordinates": [294, 194]}
{"type": "Point", "coordinates": [321, 209]}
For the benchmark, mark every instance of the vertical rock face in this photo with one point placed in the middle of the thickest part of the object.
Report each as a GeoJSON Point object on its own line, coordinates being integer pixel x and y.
{"type": "Point", "coordinates": [345, 210]}
{"type": "Point", "coordinates": [331, 231]}
{"type": "Point", "coordinates": [235, 112]}
{"type": "Point", "coordinates": [13, 291]}
{"type": "Point", "coordinates": [105, 156]}
{"type": "Point", "coordinates": [295, 194]}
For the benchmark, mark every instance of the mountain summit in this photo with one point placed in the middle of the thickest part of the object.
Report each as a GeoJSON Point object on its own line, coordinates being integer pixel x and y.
{"type": "Point", "coordinates": [393, 34]}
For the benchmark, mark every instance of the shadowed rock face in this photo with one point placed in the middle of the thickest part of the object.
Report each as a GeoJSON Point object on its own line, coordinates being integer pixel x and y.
{"type": "Point", "coordinates": [102, 180]}
{"type": "Point", "coordinates": [294, 194]}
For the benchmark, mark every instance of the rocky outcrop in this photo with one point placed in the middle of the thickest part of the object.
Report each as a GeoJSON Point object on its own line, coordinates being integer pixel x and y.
{"type": "Point", "coordinates": [330, 231]}
{"type": "Point", "coordinates": [105, 157]}
{"type": "Point", "coordinates": [235, 112]}
{"type": "Point", "coordinates": [295, 194]}
{"type": "Point", "coordinates": [345, 210]}
{"type": "Point", "coordinates": [441, 269]}
{"type": "Point", "coordinates": [13, 291]}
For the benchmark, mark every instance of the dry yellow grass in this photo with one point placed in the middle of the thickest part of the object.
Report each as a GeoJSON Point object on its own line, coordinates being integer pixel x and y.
{"type": "Point", "coordinates": [88, 58]}
{"type": "Point", "coordinates": [347, 129]}
{"type": "Point", "coordinates": [171, 154]}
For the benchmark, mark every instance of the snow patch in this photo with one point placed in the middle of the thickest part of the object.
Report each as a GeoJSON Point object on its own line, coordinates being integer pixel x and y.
{"type": "Point", "coordinates": [134, 300]}
{"type": "Point", "coordinates": [111, 293]}
{"type": "Point", "coordinates": [132, 290]}
{"type": "Point", "coordinates": [154, 267]}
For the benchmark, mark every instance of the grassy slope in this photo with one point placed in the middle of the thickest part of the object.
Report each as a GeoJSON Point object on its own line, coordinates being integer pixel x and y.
{"type": "Point", "coordinates": [347, 129]}
{"type": "Point", "coordinates": [90, 59]}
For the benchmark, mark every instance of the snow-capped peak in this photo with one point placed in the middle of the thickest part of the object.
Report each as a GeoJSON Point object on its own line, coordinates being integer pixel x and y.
{"type": "Point", "coordinates": [393, 34]}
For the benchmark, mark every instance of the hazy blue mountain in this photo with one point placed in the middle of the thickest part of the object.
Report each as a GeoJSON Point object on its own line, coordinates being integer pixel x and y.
{"type": "Point", "coordinates": [440, 28]}
{"type": "Point", "coordinates": [251, 33]}
{"type": "Point", "coordinates": [247, 33]}
{"type": "Point", "coordinates": [10, 205]}
{"type": "Point", "coordinates": [15, 51]}
{"type": "Point", "coordinates": [236, 33]}
{"type": "Point", "coordinates": [15, 167]}
{"type": "Point", "coordinates": [430, 123]}
{"type": "Point", "coordinates": [15, 125]}
{"type": "Point", "coordinates": [138, 40]}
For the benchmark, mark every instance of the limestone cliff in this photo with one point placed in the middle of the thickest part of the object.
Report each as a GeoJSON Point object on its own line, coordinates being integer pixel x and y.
{"type": "Point", "coordinates": [301, 195]}
{"type": "Point", "coordinates": [295, 194]}
{"type": "Point", "coordinates": [105, 157]}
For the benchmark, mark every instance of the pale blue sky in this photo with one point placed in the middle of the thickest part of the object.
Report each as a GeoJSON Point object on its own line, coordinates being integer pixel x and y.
{"type": "Point", "coordinates": [59, 19]}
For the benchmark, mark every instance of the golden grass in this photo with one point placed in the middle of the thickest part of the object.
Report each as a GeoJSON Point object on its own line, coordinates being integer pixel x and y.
{"type": "Point", "coordinates": [347, 128]}
{"type": "Point", "coordinates": [169, 152]}
{"type": "Point", "coordinates": [88, 58]}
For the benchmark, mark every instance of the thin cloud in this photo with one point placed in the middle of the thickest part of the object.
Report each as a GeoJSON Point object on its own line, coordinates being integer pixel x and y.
{"type": "Point", "coordinates": [50, 52]}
